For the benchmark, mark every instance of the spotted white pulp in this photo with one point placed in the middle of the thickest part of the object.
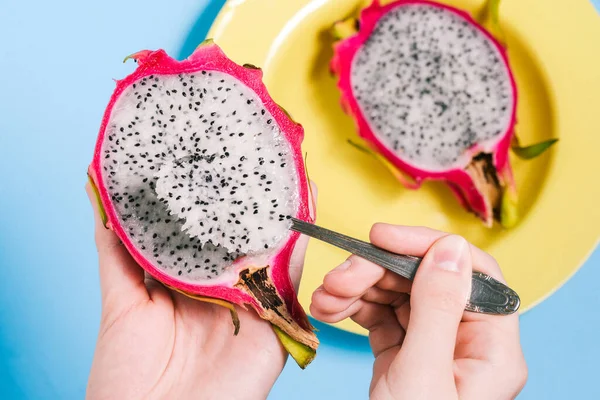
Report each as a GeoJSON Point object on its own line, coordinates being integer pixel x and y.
{"type": "Point", "coordinates": [199, 172]}
{"type": "Point", "coordinates": [431, 85]}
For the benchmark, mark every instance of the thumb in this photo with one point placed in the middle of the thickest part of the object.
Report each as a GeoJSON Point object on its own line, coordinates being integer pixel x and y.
{"type": "Point", "coordinates": [439, 294]}
{"type": "Point", "coordinates": [299, 253]}
{"type": "Point", "coordinates": [121, 279]}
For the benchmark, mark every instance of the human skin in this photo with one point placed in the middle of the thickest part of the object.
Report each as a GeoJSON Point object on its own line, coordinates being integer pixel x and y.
{"type": "Point", "coordinates": [425, 345]}
{"type": "Point", "coordinates": [154, 343]}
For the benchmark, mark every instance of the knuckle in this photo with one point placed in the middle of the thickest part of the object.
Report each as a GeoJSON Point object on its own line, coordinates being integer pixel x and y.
{"type": "Point", "coordinates": [316, 297]}
{"type": "Point", "coordinates": [314, 310]}
{"type": "Point", "coordinates": [327, 318]}
{"type": "Point", "coordinates": [325, 303]}
{"type": "Point", "coordinates": [331, 284]}
{"type": "Point", "coordinates": [393, 282]}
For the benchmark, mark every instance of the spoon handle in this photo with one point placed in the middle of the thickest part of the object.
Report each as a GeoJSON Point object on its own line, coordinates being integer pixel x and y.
{"type": "Point", "coordinates": [488, 295]}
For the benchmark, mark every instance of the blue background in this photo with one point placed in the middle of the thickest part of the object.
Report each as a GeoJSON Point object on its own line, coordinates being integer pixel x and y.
{"type": "Point", "coordinates": [56, 61]}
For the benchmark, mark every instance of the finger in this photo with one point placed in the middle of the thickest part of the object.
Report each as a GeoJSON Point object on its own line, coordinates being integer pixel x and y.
{"type": "Point", "coordinates": [381, 296]}
{"type": "Point", "coordinates": [394, 283]}
{"type": "Point", "coordinates": [121, 279]}
{"type": "Point", "coordinates": [384, 330]}
{"type": "Point", "coordinates": [344, 293]}
{"type": "Point", "coordinates": [439, 295]}
{"type": "Point", "coordinates": [299, 253]}
{"type": "Point", "coordinates": [335, 317]}
{"type": "Point", "coordinates": [353, 277]}
{"type": "Point", "coordinates": [331, 304]}
{"type": "Point", "coordinates": [297, 261]}
{"type": "Point", "coordinates": [416, 240]}
{"type": "Point", "coordinates": [378, 319]}
{"type": "Point", "coordinates": [327, 303]}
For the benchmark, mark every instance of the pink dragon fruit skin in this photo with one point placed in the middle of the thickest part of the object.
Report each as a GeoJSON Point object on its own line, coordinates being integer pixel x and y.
{"type": "Point", "coordinates": [468, 191]}
{"type": "Point", "coordinates": [289, 319]}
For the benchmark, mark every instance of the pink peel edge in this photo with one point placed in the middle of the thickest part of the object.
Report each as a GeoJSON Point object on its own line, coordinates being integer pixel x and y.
{"type": "Point", "coordinates": [211, 57]}
{"type": "Point", "coordinates": [341, 65]}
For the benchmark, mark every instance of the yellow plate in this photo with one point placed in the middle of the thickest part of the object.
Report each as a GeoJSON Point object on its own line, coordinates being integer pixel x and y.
{"type": "Point", "coordinates": [554, 49]}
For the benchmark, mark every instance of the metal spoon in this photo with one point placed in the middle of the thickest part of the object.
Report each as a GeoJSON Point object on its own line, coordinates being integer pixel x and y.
{"type": "Point", "coordinates": [488, 296]}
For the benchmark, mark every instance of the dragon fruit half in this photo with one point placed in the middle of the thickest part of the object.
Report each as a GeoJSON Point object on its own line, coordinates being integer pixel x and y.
{"type": "Point", "coordinates": [433, 96]}
{"type": "Point", "coordinates": [198, 172]}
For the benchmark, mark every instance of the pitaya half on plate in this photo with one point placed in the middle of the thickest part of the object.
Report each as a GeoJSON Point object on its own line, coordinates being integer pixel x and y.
{"type": "Point", "coordinates": [433, 97]}
{"type": "Point", "coordinates": [198, 172]}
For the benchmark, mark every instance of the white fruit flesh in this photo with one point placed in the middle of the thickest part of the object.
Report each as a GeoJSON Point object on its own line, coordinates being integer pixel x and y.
{"type": "Point", "coordinates": [432, 85]}
{"type": "Point", "coordinates": [198, 172]}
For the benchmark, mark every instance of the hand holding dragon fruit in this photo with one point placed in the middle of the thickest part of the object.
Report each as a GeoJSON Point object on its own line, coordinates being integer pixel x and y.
{"type": "Point", "coordinates": [198, 172]}
{"type": "Point", "coordinates": [433, 96]}
{"type": "Point", "coordinates": [155, 343]}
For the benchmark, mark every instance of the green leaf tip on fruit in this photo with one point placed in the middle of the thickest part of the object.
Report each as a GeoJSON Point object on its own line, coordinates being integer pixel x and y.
{"type": "Point", "coordinates": [129, 57]}
{"type": "Point", "coordinates": [302, 354]}
{"type": "Point", "coordinates": [489, 18]}
{"type": "Point", "coordinates": [509, 214]}
{"type": "Point", "coordinates": [103, 216]}
{"type": "Point", "coordinates": [205, 42]}
{"type": "Point", "coordinates": [344, 28]}
{"type": "Point", "coordinates": [533, 150]}
{"type": "Point", "coordinates": [251, 66]}
{"type": "Point", "coordinates": [137, 56]}
{"type": "Point", "coordinates": [403, 178]}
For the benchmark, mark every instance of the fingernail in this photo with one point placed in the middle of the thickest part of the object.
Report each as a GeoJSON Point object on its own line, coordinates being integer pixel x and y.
{"type": "Point", "coordinates": [448, 253]}
{"type": "Point", "coordinates": [342, 267]}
